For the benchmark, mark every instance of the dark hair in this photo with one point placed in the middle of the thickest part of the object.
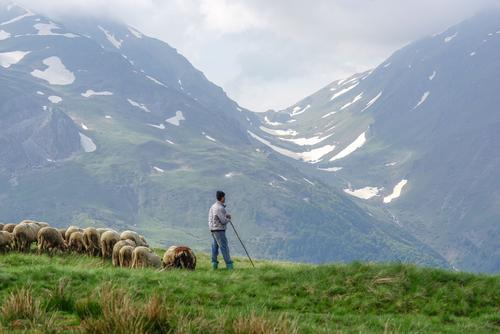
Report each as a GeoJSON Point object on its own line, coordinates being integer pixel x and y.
{"type": "Point", "coordinates": [220, 194]}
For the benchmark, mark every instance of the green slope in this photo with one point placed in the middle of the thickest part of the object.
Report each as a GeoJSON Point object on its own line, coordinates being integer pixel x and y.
{"type": "Point", "coordinates": [79, 294]}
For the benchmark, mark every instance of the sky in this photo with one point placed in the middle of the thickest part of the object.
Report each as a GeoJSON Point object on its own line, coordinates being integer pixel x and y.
{"type": "Point", "coordinates": [270, 54]}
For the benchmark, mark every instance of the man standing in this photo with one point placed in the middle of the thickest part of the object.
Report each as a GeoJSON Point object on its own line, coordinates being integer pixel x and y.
{"type": "Point", "coordinates": [218, 218]}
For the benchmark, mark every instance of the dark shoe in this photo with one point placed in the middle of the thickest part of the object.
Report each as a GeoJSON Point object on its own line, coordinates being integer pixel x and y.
{"type": "Point", "coordinates": [229, 266]}
{"type": "Point", "coordinates": [215, 265]}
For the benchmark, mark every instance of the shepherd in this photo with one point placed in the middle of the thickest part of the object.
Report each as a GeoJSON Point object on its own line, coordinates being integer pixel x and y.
{"type": "Point", "coordinates": [218, 219]}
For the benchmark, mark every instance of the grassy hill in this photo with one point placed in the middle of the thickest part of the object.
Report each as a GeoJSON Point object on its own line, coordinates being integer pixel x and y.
{"type": "Point", "coordinates": [79, 294]}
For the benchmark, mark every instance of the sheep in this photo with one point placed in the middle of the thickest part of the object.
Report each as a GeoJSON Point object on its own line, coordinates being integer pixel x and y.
{"type": "Point", "coordinates": [92, 241]}
{"type": "Point", "coordinates": [131, 235]}
{"type": "Point", "coordinates": [126, 256]}
{"type": "Point", "coordinates": [70, 230]}
{"type": "Point", "coordinates": [108, 241]}
{"type": "Point", "coordinates": [25, 233]}
{"type": "Point", "coordinates": [9, 227]}
{"type": "Point", "coordinates": [115, 258]}
{"type": "Point", "coordinates": [62, 231]}
{"type": "Point", "coordinates": [6, 241]}
{"type": "Point", "coordinates": [179, 257]}
{"type": "Point", "coordinates": [144, 257]}
{"type": "Point", "coordinates": [49, 240]}
{"type": "Point", "coordinates": [101, 230]}
{"type": "Point", "coordinates": [76, 242]}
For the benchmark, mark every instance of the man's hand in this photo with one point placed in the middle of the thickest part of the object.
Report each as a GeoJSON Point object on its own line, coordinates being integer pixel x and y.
{"type": "Point", "coordinates": [228, 216]}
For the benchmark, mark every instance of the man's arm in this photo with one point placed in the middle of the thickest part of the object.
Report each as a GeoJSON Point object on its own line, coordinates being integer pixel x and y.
{"type": "Point", "coordinates": [223, 216]}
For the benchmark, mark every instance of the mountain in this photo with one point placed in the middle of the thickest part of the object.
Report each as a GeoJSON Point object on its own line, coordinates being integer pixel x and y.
{"type": "Point", "coordinates": [415, 140]}
{"type": "Point", "coordinates": [102, 125]}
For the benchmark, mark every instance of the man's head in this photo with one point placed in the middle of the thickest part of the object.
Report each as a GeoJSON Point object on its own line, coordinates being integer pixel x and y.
{"type": "Point", "coordinates": [221, 197]}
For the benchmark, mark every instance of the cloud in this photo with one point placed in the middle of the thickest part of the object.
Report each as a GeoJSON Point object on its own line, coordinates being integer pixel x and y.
{"type": "Point", "coordinates": [269, 54]}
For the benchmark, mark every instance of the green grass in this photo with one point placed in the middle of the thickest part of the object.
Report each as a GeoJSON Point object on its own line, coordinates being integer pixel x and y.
{"type": "Point", "coordinates": [79, 294]}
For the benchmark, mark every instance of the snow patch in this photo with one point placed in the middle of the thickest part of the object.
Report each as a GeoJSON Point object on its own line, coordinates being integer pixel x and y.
{"type": "Point", "coordinates": [138, 105]}
{"type": "Point", "coordinates": [84, 127]}
{"type": "Point", "coordinates": [329, 114]}
{"type": "Point", "coordinates": [450, 38]}
{"type": "Point", "coordinates": [331, 169]}
{"type": "Point", "coordinates": [343, 91]}
{"type": "Point", "coordinates": [4, 35]}
{"type": "Point", "coordinates": [158, 169]}
{"type": "Point", "coordinates": [91, 92]}
{"type": "Point", "coordinates": [231, 175]}
{"type": "Point", "coordinates": [356, 99]}
{"type": "Point", "coordinates": [422, 99]}
{"type": "Point", "coordinates": [307, 141]}
{"type": "Point", "coordinates": [309, 181]}
{"type": "Point", "coordinates": [45, 29]}
{"type": "Point", "coordinates": [279, 133]}
{"type": "Point", "coordinates": [271, 123]}
{"type": "Point", "coordinates": [355, 145]}
{"type": "Point", "coordinates": [396, 192]}
{"type": "Point", "coordinates": [135, 32]}
{"type": "Point", "coordinates": [156, 81]}
{"type": "Point", "coordinates": [159, 126]}
{"type": "Point", "coordinates": [176, 120]}
{"type": "Point", "coordinates": [170, 142]}
{"type": "Point", "coordinates": [87, 144]}
{"type": "Point", "coordinates": [473, 53]}
{"type": "Point", "coordinates": [372, 101]}
{"type": "Point", "coordinates": [108, 117]}
{"type": "Point", "coordinates": [390, 164]}
{"type": "Point", "coordinates": [432, 76]}
{"type": "Point", "coordinates": [208, 137]}
{"type": "Point", "coordinates": [363, 193]}
{"type": "Point", "coordinates": [7, 59]}
{"type": "Point", "coordinates": [117, 43]}
{"type": "Point", "coordinates": [55, 73]}
{"type": "Point", "coordinates": [40, 93]}
{"type": "Point", "coordinates": [387, 65]}
{"type": "Point", "coordinates": [283, 178]}
{"type": "Point", "coordinates": [298, 110]}
{"type": "Point", "coordinates": [55, 99]}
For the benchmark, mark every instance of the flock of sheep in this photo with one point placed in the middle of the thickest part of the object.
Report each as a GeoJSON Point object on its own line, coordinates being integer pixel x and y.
{"type": "Point", "coordinates": [126, 249]}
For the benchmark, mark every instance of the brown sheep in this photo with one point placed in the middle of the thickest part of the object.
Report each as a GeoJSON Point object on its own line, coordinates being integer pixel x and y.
{"type": "Point", "coordinates": [115, 258]}
{"type": "Point", "coordinates": [179, 257]}
{"type": "Point", "coordinates": [126, 256]}
{"type": "Point", "coordinates": [76, 242]}
{"type": "Point", "coordinates": [9, 228]}
{"type": "Point", "coordinates": [25, 233]}
{"type": "Point", "coordinates": [70, 230]}
{"type": "Point", "coordinates": [144, 257]}
{"type": "Point", "coordinates": [50, 240]}
{"type": "Point", "coordinates": [108, 241]}
{"type": "Point", "coordinates": [6, 241]}
{"type": "Point", "coordinates": [92, 241]}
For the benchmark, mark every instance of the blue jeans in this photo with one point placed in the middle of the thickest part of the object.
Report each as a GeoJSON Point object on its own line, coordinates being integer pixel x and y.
{"type": "Point", "coordinates": [220, 242]}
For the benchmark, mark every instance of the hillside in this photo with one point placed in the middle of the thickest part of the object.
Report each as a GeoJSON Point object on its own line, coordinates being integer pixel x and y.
{"type": "Point", "coordinates": [101, 125]}
{"type": "Point", "coordinates": [80, 294]}
{"type": "Point", "coordinates": [415, 140]}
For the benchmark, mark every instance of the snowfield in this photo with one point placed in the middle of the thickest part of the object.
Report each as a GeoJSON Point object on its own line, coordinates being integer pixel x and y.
{"type": "Point", "coordinates": [422, 99]}
{"type": "Point", "coordinates": [55, 99]}
{"type": "Point", "coordinates": [364, 193]}
{"type": "Point", "coordinates": [87, 144]}
{"type": "Point", "coordinates": [176, 120]}
{"type": "Point", "coordinates": [298, 110]}
{"type": "Point", "coordinates": [138, 105]}
{"type": "Point", "coordinates": [356, 144]}
{"type": "Point", "coordinates": [18, 18]}
{"type": "Point", "coordinates": [396, 193]}
{"type": "Point", "coordinates": [55, 73]}
{"type": "Point", "coordinates": [90, 93]}
{"type": "Point", "coordinates": [372, 101]}
{"type": "Point", "coordinates": [7, 59]}
{"type": "Point", "coordinates": [271, 123]}
{"type": "Point", "coordinates": [117, 43]}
